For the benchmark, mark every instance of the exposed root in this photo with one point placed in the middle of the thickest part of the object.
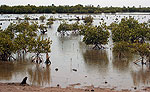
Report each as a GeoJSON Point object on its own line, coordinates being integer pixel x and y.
{"type": "Point", "coordinates": [37, 58]}
{"type": "Point", "coordinates": [142, 59]}
{"type": "Point", "coordinates": [98, 47]}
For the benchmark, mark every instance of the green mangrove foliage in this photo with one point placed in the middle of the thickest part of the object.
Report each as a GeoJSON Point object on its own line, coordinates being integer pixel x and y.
{"type": "Point", "coordinates": [121, 47]}
{"type": "Point", "coordinates": [65, 27]}
{"type": "Point", "coordinates": [97, 36]}
{"type": "Point", "coordinates": [130, 30]}
{"type": "Point", "coordinates": [93, 35]}
{"type": "Point", "coordinates": [42, 18]}
{"type": "Point", "coordinates": [26, 18]}
{"type": "Point", "coordinates": [143, 50]}
{"type": "Point", "coordinates": [49, 23]}
{"type": "Point", "coordinates": [75, 27]}
{"type": "Point", "coordinates": [7, 46]}
{"type": "Point", "coordinates": [43, 28]}
{"type": "Point", "coordinates": [51, 19]}
{"type": "Point", "coordinates": [21, 38]}
{"type": "Point", "coordinates": [130, 35]}
{"type": "Point", "coordinates": [88, 20]}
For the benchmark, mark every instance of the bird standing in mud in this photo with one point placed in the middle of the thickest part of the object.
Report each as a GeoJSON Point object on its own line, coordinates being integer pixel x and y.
{"type": "Point", "coordinates": [24, 81]}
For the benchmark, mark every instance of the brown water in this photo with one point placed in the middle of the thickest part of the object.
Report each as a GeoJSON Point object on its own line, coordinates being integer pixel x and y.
{"type": "Point", "coordinates": [94, 67]}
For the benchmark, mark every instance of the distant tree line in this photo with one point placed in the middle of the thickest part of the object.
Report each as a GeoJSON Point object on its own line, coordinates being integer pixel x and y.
{"type": "Point", "coordinates": [4, 9]}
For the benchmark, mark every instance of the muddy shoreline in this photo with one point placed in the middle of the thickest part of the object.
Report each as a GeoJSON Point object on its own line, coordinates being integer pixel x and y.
{"type": "Point", "coordinates": [16, 87]}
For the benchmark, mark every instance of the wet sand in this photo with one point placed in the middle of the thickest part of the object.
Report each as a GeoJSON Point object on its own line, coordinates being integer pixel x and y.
{"type": "Point", "coordinates": [16, 87]}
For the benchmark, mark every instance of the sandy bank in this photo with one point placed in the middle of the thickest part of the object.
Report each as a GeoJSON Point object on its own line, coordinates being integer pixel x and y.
{"type": "Point", "coordinates": [16, 87]}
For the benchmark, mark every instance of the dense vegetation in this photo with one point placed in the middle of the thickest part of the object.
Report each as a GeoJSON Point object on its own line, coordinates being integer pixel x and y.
{"type": "Point", "coordinates": [22, 38]}
{"type": "Point", "coordinates": [130, 35]}
{"type": "Point", "coordinates": [93, 35]}
{"type": "Point", "coordinates": [97, 36]}
{"type": "Point", "coordinates": [130, 30]}
{"type": "Point", "coordinates": [64, 28]}
{"type": "Point", "coordinates": [88, 20]}
{"type": "Point", "coordinates": [4, 9]}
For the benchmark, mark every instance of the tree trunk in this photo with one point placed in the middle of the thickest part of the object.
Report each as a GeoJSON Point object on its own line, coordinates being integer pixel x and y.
{"type": "Point", "coordinates": [142, 61]}
{"type": "Point", "coordinates": [4, 57]}
{"type": "Point", "coordinates": [119, 55]}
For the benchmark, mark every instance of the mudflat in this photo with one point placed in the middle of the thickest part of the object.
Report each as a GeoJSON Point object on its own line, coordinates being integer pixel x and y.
{"type": "Point", "coordinates": [16, 87]}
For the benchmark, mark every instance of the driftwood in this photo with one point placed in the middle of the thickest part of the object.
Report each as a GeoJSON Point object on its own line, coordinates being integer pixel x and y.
{"type": "Point", "coordinates": [24, 81]}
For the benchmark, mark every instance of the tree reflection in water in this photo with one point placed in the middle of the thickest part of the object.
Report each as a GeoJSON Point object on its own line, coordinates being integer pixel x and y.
{"type": "Point", "coordinates": [141, 76]}
{"type": "Point", "coordinates": [122, 64]}
{"type": "Point", "coordinates": [40, 75]}
{"type": "Point", "coordinates": [10, 69]}
{"type": "Point", "coordinates": [96, 60]}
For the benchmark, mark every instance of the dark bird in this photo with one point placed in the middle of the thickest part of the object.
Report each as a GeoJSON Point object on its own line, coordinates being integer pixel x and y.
{"type": "Point", "coordinates": [24, 81]}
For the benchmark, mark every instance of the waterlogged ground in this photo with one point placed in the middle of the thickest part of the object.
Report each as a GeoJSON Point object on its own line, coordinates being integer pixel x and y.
{"type": "Point", "coordinates": [99, 68]}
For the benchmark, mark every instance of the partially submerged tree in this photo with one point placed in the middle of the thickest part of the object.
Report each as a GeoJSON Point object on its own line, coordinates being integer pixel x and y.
{"type": "Point", "coordinates": [18, 38]}
{"type": "Point", "coordinates": [82, 29]}
{"type": "Point", "coordinates": [130, 35]}
{"type": "Point", "coordinates": [42, 18]}
{"type": "Point", "coordinates": [130, 30]}
{"type": "Point", "coordinates": [43, 28]}
{"type": "Point", "coordinates": [63, 28]}
{"type": "Point", "coordinates": [7, 46]}
{"type": "Point", "coordinates": [10, 30]}
{"type": "Point", "coordinates": [38, 46]}
{"type": "Point", "coordinates": [121, 47]}
{"type": "Point", "coordinates": [49, 23]}
{"type": "Point", "coordinates": [88, 20]}
{"type": "Point", "coordinates": [75, 27]}
{"type": "Point", "coordinates": [51, 19]}
{"type": "Point", "coordinates": [143, 50]}
{"type": "Point", "coordinates": [26, 18]}
{"type": "Point", "coordinates": [24, 32]}
{"type": "Point", "coordinates": [97, 36]}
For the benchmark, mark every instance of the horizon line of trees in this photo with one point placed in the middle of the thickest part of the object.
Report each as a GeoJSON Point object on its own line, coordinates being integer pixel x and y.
{"type": "Point", "coordinates": [20, 9]}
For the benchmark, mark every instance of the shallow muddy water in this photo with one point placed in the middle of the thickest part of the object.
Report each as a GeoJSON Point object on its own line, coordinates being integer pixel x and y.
{"type": "Point", "coordinates": [100, 68]}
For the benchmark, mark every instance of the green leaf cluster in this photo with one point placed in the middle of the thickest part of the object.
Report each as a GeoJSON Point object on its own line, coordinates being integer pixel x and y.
{"type": "Point", "coordinates": [88, 20]}
{"type": "Point", "coordinates": [130, 36]}
{"type": "Point", "coordinates": [43, 28]}
{"type": "Point", "coordinates": [42, 18]}
{"type": "Point", "coordinates": [64, 27]}
{"type": "Point", "coordinates": [50, 22]}
{"type": "Point", "coordinates": [22, 37]}
{"type": "Point", "coordinates": [95, 35]}
{"type": "Point", "coordinates": [130, 30]}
